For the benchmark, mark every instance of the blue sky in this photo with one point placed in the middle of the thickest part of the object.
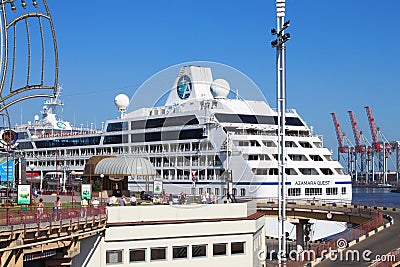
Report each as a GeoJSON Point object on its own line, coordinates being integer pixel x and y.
{"type": "Point", "coordinates": [342, 55]}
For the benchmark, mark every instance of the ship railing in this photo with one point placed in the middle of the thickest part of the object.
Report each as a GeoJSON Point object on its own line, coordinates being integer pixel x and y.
{"type": "Point", "coordinates": [335, 202]}
{"type": "Point", "coordinates": [271, 133]}
{"type": "Point", "coordinates": [311, 200]}
{"type": "Point", "coordinates": [66, 134]}
{"type": "Point", "coordinates": [290, 111]}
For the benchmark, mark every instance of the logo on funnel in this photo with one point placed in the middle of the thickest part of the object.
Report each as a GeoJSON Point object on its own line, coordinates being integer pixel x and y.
{"type": "Point", "coordinates": [184, 87]}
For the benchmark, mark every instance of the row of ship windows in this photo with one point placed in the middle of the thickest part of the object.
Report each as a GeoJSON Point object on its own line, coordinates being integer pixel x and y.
{"type": "Point", "coordinates": [192, 120]}
{"type": "Point", "coordinates": [153, 123]}
{"type": "Point", "coordinates": [266, 132]}
{"type": "Point", "coordinates": [217, 191]}
{"type": "Point", "coordinates": [257, 143]}
{"type": "Point", "coordinates": [184, 134]}
{"type": "Point", "coordinates": [138, 255]}
{"type": "Point", "coordinates": [181, 147]}
{"type": "Point", "coordinates": [293, 157]}
{"type": "Point", "coordinates": [292, 171]}
{"type": "Point", "coordinates": [195, 160]}
{"type": "Point", "coordinates": [331, 191]}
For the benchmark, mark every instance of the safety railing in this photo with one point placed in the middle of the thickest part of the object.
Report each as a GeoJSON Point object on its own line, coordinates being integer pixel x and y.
{"type": "Point", "coordinates": [338, 241]}
{"type": "Point", "coordinates": [37, 216]}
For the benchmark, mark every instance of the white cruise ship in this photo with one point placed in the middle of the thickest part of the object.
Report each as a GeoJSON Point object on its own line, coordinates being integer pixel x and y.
{"type": "Point", "coordinates": [197, 135]}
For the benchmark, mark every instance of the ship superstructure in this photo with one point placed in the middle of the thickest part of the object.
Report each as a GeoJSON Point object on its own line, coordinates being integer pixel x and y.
{"type": "Point", "coordinates": [204, 141]}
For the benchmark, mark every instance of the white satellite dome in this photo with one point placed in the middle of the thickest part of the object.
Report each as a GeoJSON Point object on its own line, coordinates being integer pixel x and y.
{"type": "Point", "coordinates": [220, 88]}
{"type": "Point", "coordinates": [121, 101]}
{"type": "Point", "coordinates": [36, 117]}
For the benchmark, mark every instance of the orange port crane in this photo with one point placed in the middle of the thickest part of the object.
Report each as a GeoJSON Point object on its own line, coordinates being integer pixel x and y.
{"type": "Point", "coordinates": [357, 136]}
{"type": "Point", "coordinates": [384, 148]}
{"type": "Point", "coordinates": [374, 130]}
{"type": "Point", "coordinates": [345, 145]}
{"type": "Point", "coordinates": [339, 134]}
{"type": "Point", "coordinates": [360, 148]}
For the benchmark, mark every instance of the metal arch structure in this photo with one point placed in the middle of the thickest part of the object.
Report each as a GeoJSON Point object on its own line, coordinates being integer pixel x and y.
{"type": "Point", "coordinates": [14, 94]}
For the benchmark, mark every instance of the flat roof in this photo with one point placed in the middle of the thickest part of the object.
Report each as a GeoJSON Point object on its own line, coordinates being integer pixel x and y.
{"type": "Point", "coordinates": [136, 215]}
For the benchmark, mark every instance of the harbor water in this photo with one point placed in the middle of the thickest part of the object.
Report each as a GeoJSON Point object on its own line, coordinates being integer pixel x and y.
{"type": "Point", "coordinates": [381, 197]}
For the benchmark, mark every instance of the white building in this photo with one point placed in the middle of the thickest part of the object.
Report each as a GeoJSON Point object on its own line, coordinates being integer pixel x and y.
{"type": "Point", "coordinates": [178, 235]}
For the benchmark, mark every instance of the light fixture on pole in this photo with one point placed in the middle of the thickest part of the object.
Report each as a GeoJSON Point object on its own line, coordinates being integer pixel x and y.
{"type": "Point", "coordinates": [65, 168]}
{"type": "Point", "coordinates": [279, 44]}
{"type": "Point", "coordinates": [101, 188]}
{"type": "Point", "coordinates": [72, 187]}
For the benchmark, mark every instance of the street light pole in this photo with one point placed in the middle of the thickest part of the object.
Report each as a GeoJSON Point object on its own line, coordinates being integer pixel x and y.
{"type": "Point", "coordinates": [57, 177]}
{"type": "Point", "coordinates": [101, 188]}
{"type": "Point", "coordinates": [279, 44]}
{"type": "Point", "coordinates": [41, 182]}
{"type": "Point", "coordinates": [72, 187]}
{"type": "Point", "coordinates": [31, 167]}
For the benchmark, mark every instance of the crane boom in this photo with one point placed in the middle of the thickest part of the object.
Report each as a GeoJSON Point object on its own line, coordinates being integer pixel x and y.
{"type": "Point", "coordinates": [339, 133]}
{"type": "Point", "coordinates": [357, 137]}
{"type": "Point", "coordinates": [373, 127]}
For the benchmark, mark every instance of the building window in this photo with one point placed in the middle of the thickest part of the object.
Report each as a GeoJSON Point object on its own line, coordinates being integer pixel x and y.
{"type": "Point", "coordinates": [244, 143]}
{"type": "Point", "coordinates": [305, 144]}
{"type": "Point", "coordinates": [260, 171]}
{"type": "Point", "coordinates": [114, 256]}
{"type": "Point", "coordinates": [137, 255]}
{"type": "Point", "coordinates": [117, 126]}
{"type": "Point", "coordinates": [290, 144]}
{"type": "Point", "coordinates": [313, 191]}
{"type": "Point", "coordinates": [273, 171]}
{"type": "Point", "coordinates": [234, 191]}
{"type": "Point", "coordinates": [219, 249]}
{"type": "Point", "coordinates": [343, 190]}
{"type": "Point", "coordinates": [217, 191]}
{"type": "Point", "coordinates": [242, 192]}
{"type": "Point", "coordinates": [199, 251]}
{"type": "Point", "coordinates": [339, 171]}
{"type": "Point", "coordinates": [316, 157]}
{"type": "Point", "coordinates": [308, 171]}
{"type": "Point", "coordinates": [254, 143]}
{"type": "Point", "coordinates": [294, 191]}
{"type": "Point", "coordinates": [326, 171]}
{"type": "Point", "coordinates": [296, 157]}
{"type": "Point", "coordinates": [269, 144]}
{"type": "Point", "coordinates": [237, 247]}
{"type": "Point", "coordinates": [332, 191]}
{"type": "Point", "coordinates": [254, 157]}
{"type": "Point", "coordinates": [158, 254]}
{"type": "Point", "coordinates": [200, 191]}
{"type": "Point", "coordinates": [179, 252]}
{"type": "Point", "coordinates": [290, 171]}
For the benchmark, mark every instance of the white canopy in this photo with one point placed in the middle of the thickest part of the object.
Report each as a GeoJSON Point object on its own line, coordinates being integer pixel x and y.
{"type": "Point", "coordinates": [126, 166]}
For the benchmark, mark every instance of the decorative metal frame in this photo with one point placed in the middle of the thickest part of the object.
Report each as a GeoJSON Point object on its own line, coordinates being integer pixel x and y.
{"type": "Point", "coordinates": [6, 65]}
